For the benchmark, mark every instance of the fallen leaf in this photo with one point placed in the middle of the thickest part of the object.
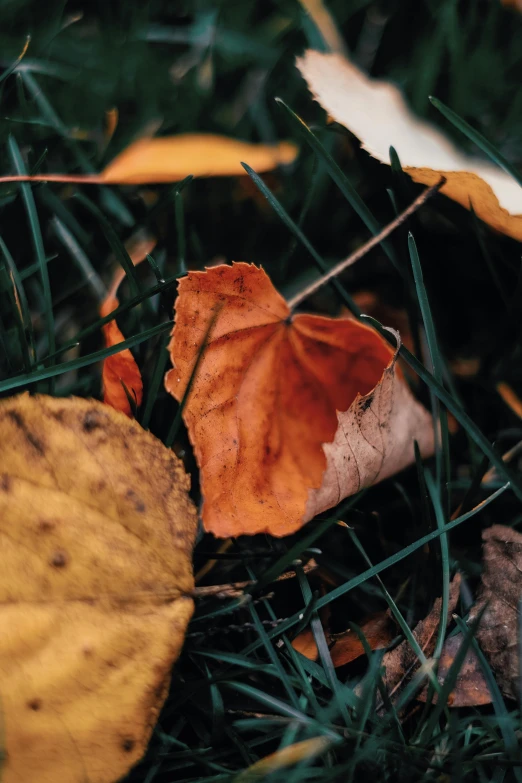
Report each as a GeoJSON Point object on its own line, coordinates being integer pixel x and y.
{"type": "Point", "coordinates": [376, 112]}
{"type": "Point", "coordinates": [120, 370]}
{"type": "Point", "coordinates": [510, 397]}
{"type": "Point", "coordinates": [379, 630]}
{"type": "Point", "coordinates": [304, 751]}
{"type": "Point", "coordinates": [402, 663]}
{"type": "Point", "coordinates": [97, 531]}
{"type": "Point", "coordinates": [262, 413]}
{"type": "Point", "coordinates": [172, 158]}
{"type": "Point", "coordinates": [471, 688]}
{"type": "Point", "coordinates": [500, 593]}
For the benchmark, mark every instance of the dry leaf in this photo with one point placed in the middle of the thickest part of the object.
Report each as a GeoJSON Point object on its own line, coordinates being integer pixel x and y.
{"type": "Point", "coordinates": [304, 751]}
{"type": "Point", "coordinates": [501, 592]}
{"type": "Point", "coordinates": [377, 114]}
{"type": "Point", "coordinates": [172, 158]}
{"type": "Point", "coordinates": [262, 413]}
{"type": "Point", "coordinates": [471, 688]}
{"type": "Point", "coordinates": [97, 531]}
{"type": "Point", "coordinates": [121, 368]}
{"type": "Point", "coordinates": [379, 630]}
{"type": "Point", "coordinates": [402, 663]}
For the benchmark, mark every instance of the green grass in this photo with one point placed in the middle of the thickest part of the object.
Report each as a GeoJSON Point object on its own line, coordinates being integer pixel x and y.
{"type": "Point", "coordinates": [240, 691]}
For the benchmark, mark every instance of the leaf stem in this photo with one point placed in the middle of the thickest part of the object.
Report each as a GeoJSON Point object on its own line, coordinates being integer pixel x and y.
{"type": "Point", "coordinates": [361, 251]}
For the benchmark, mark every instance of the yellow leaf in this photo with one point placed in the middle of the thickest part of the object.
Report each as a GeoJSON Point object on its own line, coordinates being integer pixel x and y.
{"type": "Point", "coordinates": [172, 158]}
{"type": "Point", "coordinates": [377, 114]}
{"type": "Point", "coordinates": [97, 531]}
{"type": "Point", "coordinates": [286, 757]}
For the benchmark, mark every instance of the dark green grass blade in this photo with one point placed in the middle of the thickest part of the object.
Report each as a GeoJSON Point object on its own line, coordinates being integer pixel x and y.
{"type": "Point", "coordinates": [294, 660]}
{"type": "Point", "coordinates": [401, 621]}
{"type": "Point", "coordinates": [289, 223]}
{"type": "Point", "coordinates": [295, 551]}
{"type": "Point", "coordinates": [180, 230]}
{"type": "Point", "coordinates": [445, 562]}
{"type": "Point", "coordinates": [429, 726]}
{"type": "Point", "coordinates": [274, 658]}
{"type": "Point", "coordinates": [36, 236]}
{"type": "Point", "coordinates": [27, 339]}
{"type": "Point", "coordinates": [79, 257]}
{"type": "Point", "coordinates": [75, 364]}
{"type": "Point", "coordinates": [477, 138]}
{"type": "Point", "coordinates": [324, 652]}
{"type": "Point", "coordinates": [176, 424]}
{"type": "Point", "coordinates": [424, 498]}
{"type": "Point", "coordinates": [110, 200]}
{"type": "Point", "coordinates": [279, 706]}
{"type": "Point", "coordinates": [340, 179]}
{"type": "Point", "coordinates": [456, 409]}
{"type": "Point", "coordinates": [114, 241]}
{"type": "Point", "coordinates": [12, 68]}
{"type": "Point", "coordinates": [123, 308]}
{"type": "Point", "coordinates": [156, 382]}
{"type": "Point", "coordinates": [489, 261]}
{"type": "Point", "coordinates": [442, 447]}
{"type": "Point", "coordinates": [46, 196]}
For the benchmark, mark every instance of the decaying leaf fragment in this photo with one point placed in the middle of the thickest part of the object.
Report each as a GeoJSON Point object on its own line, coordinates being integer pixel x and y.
{"type": "Point", "coordinates": [471, 688]}
{"type": "Point", "coordinates": [120, 370]}
{"type": "Point", "coordinates": [402, 663]}
{"type": "Point", "coordinates": [262, 413]}
{"type": "Point", "coordinates": [501, 592]}
{"type": "Point", "coordinates": [376, 112]}
{"type": "Point", "coordinates": [96, 531]}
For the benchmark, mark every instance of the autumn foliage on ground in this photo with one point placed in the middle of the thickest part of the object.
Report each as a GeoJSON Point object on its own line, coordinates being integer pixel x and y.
{"type": "Point", "coordinates": [260, 295]}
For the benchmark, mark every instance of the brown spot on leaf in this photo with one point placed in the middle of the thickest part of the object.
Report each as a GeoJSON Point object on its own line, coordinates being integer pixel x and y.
{"type": "Point", "coordinates": [127, 744]}
{"type": "Point", "coordinates": [59, 559]}
{"type": "Point", "coordinates": [92, 420]}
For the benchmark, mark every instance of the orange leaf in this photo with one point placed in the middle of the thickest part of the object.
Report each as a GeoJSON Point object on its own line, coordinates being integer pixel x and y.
{"type": "Point", "coordinates": [121, 368]}
{"type": "Point", "coordinates": [171, 158]}
{"type": "Point", "coordinates": [262, 413]}
{"type": "Point", "coordinates": [376, 112]}
{"type": "Point", "coordinates": [379, 630]}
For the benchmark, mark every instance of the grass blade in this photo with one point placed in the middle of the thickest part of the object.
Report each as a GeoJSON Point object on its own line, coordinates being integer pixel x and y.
{"type": "Point", "coordinates": [476, 137]}
{"type": "Point", "coordinates": [36, 236]}
{"type": "Point", "coordinates": [289, 223]}
{"type": "Point", "coordinates": [340, 179]}
{"type": "Point", "coordinates": [75, 364]}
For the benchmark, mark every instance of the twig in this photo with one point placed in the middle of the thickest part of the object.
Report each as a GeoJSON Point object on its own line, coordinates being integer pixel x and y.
{"type": "Point", "coordinates": [361, 251]}
{"type": "Point", "coordinates": [234, 589]}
